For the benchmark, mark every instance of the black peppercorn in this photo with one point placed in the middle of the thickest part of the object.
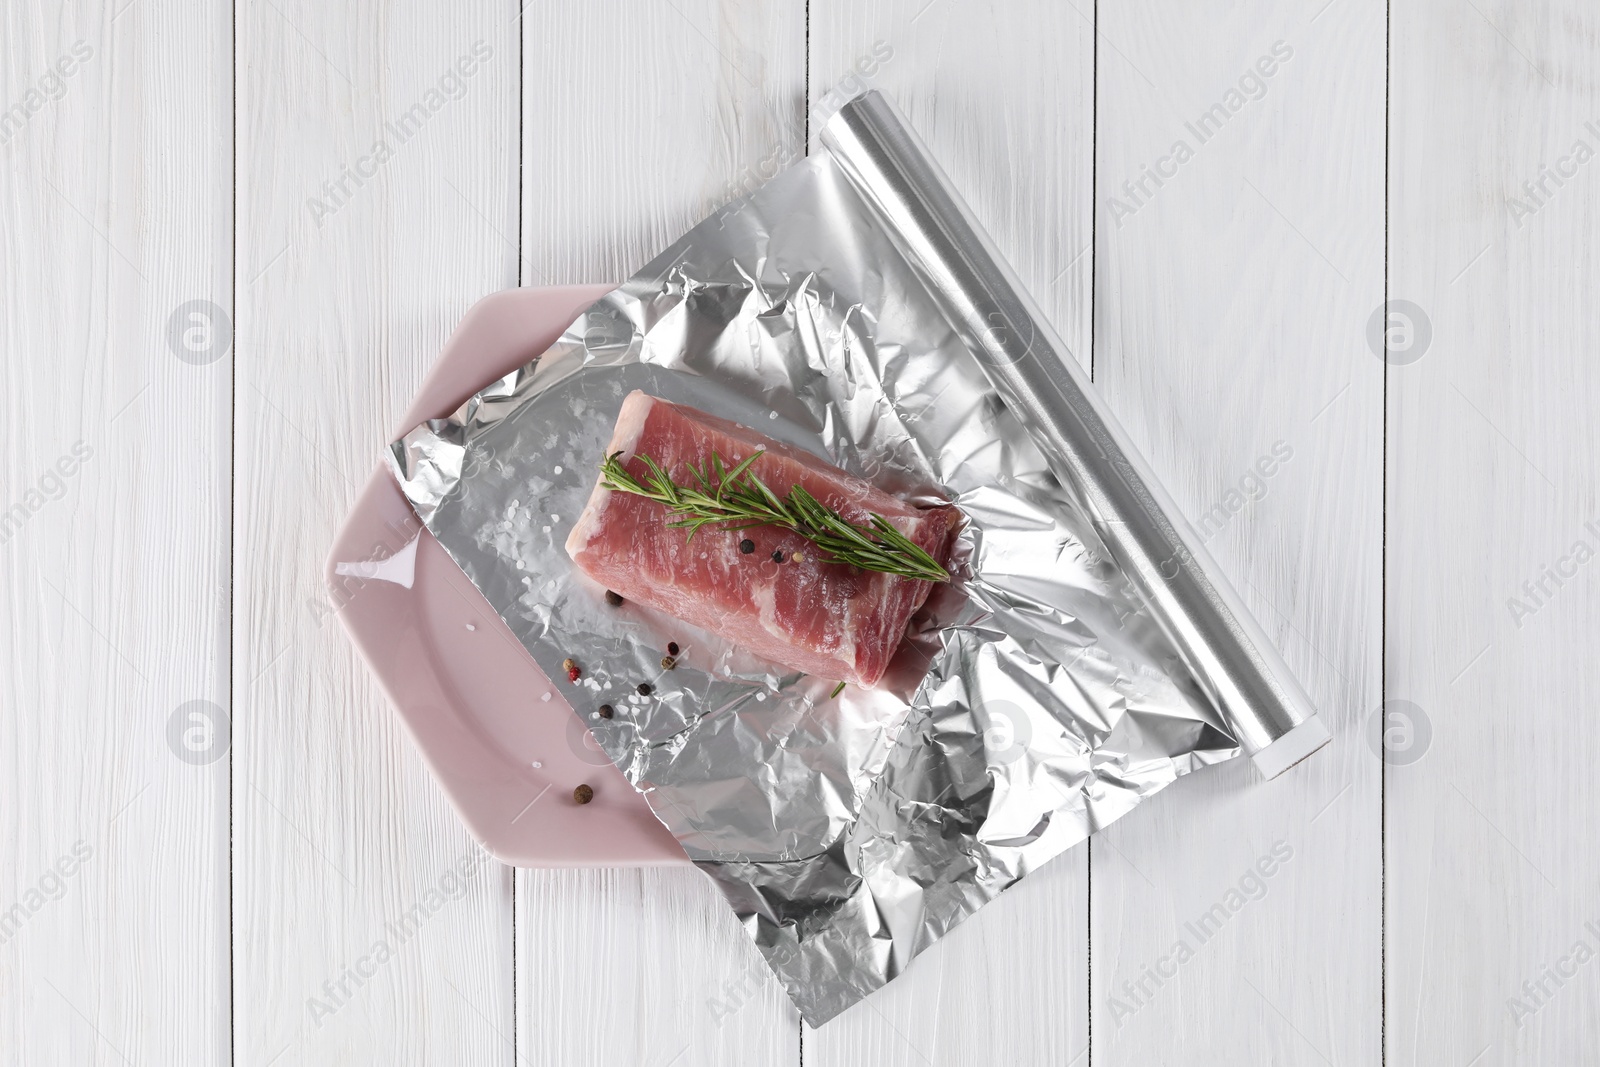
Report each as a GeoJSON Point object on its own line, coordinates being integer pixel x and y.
{"type": "Point", "coordinates": [747, 546]}
{"type": "Point", "coordinates": [672, 648]}
{"type": "Point", "coordinates": [606, 711]}
{"type": "Point", "coordinates": [583, 794]}
{"type": "Point", "coordinates": [645, 689]}
{"type": "Point", "coordinates": [777, 557]}
{"type": "Point", "coordinates": [614, 599]}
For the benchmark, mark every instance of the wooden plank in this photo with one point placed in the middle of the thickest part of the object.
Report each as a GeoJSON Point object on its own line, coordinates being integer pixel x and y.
{"type": "Point", "coordinates": [116, 181]}
{"type": "Point", "coordinates": [1493, 600]}
{"type": "Point", "coordinates": [1003, 95]}
{"type": "Point", "coordinates": [1239, 256]}
{"type": "Point", "coordinates": [642, 966]}
{"type": "Point", "coordinates": [377, 149]}
{"type": "Point", "coordinates": [638, 120]}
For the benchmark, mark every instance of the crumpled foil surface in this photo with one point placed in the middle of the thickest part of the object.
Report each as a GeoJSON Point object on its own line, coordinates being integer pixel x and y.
{"type": "Point", "coordinates": [1035, 700]}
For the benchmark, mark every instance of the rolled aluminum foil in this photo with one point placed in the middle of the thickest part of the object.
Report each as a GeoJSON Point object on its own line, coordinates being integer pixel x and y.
{"type": "Point", "coordinates": [1034, 370]}
{"type": "Point", "coordinates": [850, 307]}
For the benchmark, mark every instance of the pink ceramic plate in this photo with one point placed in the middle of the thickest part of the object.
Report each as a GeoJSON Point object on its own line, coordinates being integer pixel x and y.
{"type": "Point", "coordinates": [503, 744]}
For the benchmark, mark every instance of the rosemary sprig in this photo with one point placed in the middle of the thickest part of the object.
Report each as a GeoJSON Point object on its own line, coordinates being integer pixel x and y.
{"type": "Point", "coordinates": [736, 499]}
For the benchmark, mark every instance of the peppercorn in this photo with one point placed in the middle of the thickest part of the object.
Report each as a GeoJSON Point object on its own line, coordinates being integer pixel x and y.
{"type": "Point", "coordinates": [645, 689]}
{"type": "Point", "coordinates": [777, 557]}
{"type": "Point", "coordinates": [583, 794]}
{"type": "Point", "coordinates": [606, 711]}
{"type": "Point", "coordinates": [747, 546]}
{"type": "Point", "coordinates": [571, 667]}
{"type": "Point", "coordinates": [667, 663]}
{"type": "Point", "coordinates": [672, 648]}
{"type": "Point", "coordinates": [613, 598]}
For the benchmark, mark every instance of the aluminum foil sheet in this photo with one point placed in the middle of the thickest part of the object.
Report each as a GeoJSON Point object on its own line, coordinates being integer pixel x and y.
{"type": "Point", "coordinates": [1053, 686]}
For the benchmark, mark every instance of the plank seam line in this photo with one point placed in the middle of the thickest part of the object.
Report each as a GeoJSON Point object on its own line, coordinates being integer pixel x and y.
{"type": "Point", "coordinates": [1383, 579]}
{"type": "Point", "coordinates": [805, 142]}
{"type": "Point", "coordinates": [1094, 216]}
{"type": "Point", "coordinates": [805, 149]}
{"type": "Point", "coordinates": [522, 121]}
{"type": "Point", "coordinates": [233, 461]}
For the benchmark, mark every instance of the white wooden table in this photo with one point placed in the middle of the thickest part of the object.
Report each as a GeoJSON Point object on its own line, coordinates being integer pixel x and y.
{"type": "Point", "coordinates": [217, 298]}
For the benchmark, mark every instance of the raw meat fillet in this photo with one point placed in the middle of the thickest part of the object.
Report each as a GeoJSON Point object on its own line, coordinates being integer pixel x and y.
{"type": "Point", "coordinates": [824, 619]}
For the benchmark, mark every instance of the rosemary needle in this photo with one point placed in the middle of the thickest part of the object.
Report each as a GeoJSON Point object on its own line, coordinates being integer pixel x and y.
{"type": "Point", "coordinates": [736, 500]}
